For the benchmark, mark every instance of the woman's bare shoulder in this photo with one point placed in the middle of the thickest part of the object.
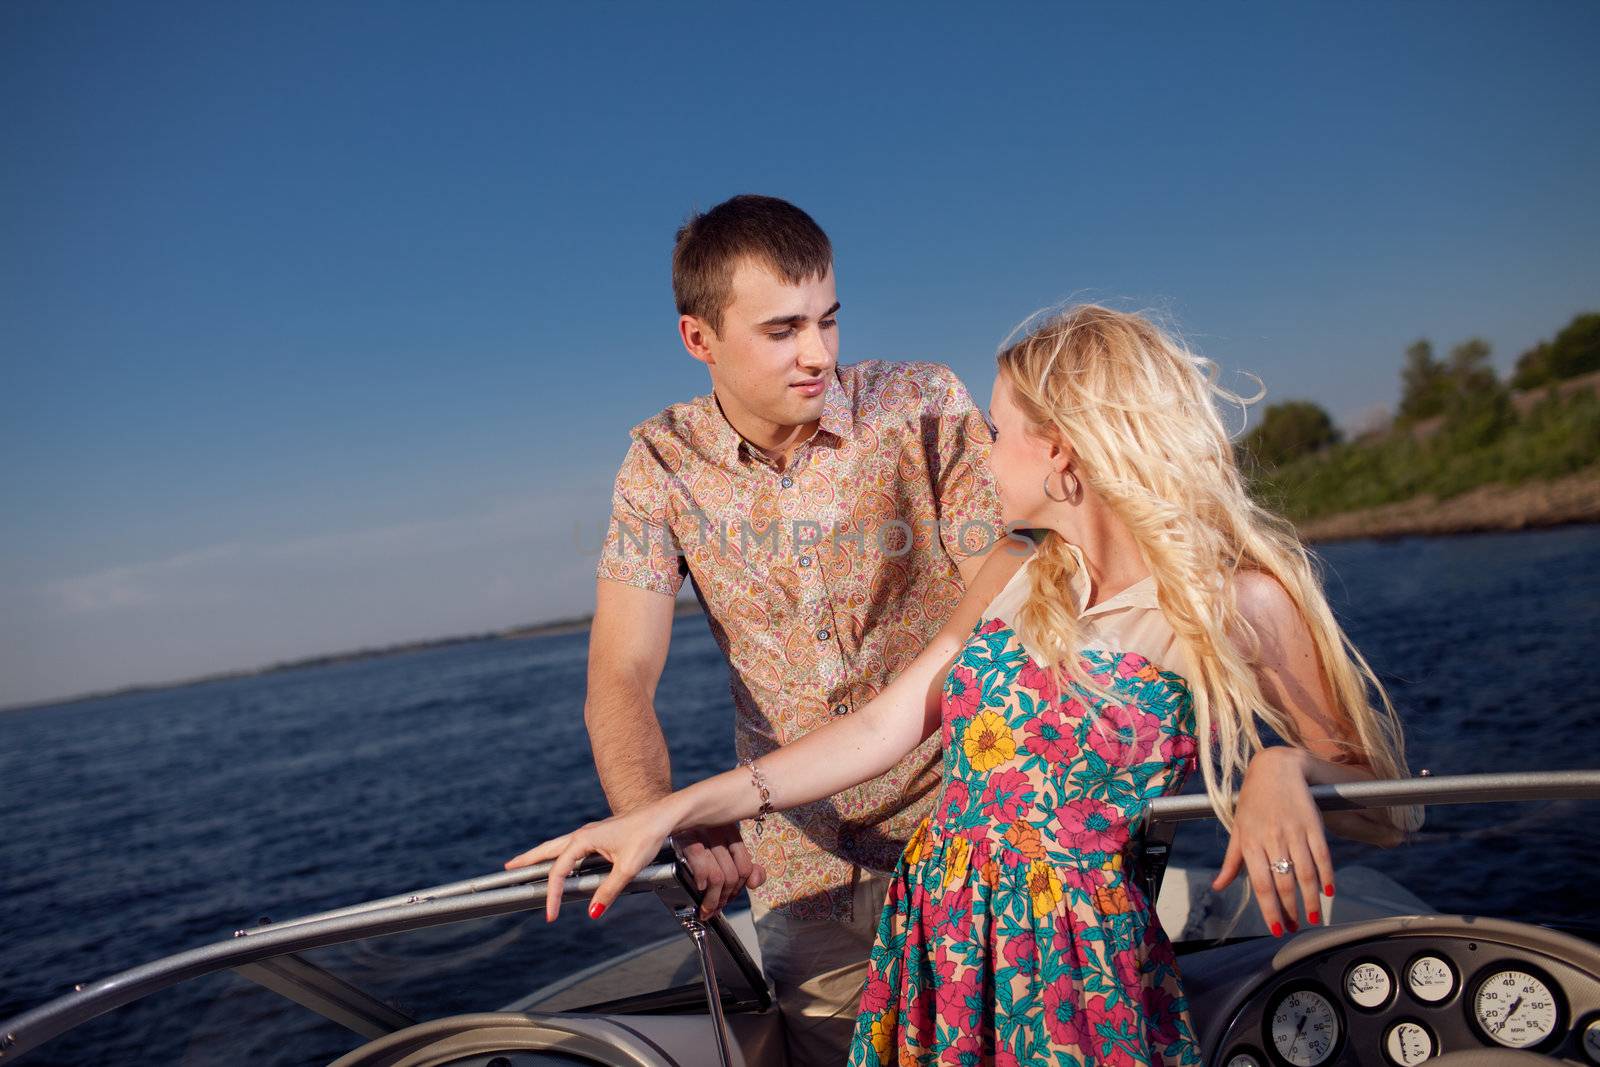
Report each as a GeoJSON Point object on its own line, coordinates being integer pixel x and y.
{"type": "Point", "coordinates": [1263, 600]}
{"type": "Point", "coordinates": [1005, 559]}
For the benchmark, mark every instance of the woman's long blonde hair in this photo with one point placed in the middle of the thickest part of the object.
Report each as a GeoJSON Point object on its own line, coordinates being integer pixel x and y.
{"type": "Point", "coordinates": [1139, 410]}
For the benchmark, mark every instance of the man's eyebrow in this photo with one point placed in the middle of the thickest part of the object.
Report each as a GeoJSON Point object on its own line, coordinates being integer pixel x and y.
{"type": "Point", "coordinates": [796, 320]}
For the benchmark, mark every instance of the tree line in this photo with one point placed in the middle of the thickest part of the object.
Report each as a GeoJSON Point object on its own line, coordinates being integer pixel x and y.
{"type": "Point", "coordinates": [1457, 426]}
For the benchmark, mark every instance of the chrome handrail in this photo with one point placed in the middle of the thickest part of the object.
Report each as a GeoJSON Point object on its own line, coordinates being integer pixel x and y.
{"type": "Point", "coordinates": [1403, 792]}
{"type": "Point", "coordinates": [1163, 815]}
{"type": "Point", "coordinates": [481, 884]}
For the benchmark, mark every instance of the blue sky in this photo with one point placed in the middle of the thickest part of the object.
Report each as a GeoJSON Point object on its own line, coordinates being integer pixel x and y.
{"type": "Point", "coordinates": [322, 326]}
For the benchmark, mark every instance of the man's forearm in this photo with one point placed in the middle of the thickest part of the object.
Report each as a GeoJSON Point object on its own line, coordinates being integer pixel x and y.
{"type": "Point", "coordinates": [630, 752]}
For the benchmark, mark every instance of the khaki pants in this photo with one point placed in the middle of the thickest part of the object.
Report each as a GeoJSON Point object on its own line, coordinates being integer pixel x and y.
{"type": "Point", "coordinates": [818, 968]}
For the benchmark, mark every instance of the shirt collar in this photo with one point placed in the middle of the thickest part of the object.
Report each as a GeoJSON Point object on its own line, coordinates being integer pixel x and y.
{"type": "Point", "coordinates": [725, 440]}
{"type": "Point", "coordinates": [1141, 594]}
{"type": "Point", "coordinates": [837, 419]}
{"type": "Point", "coordinates": [837, 416]}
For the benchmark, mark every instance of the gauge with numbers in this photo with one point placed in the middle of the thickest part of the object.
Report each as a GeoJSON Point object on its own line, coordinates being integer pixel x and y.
{"type": "Point", "coordinates": [1243, 1059]}
{"type": "Point", "coordinates": [1304, 1028]}
{"type": "Point", "coordinates": [1407, 1043]}
{"type": "Point", "coordinates": [1368, 984]}
{"type": "Point", "coordinates": [1515, 1008]}
{"type": "Point", "coordinates": [1430, 979]}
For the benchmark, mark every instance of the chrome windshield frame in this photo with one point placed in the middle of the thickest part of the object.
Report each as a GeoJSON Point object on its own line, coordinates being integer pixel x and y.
{"type": "Point", "coordinates": [251, 952]}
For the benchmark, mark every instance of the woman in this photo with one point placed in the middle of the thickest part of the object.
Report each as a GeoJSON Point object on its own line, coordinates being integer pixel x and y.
{"type": "Point", "coordinates": [1071, 684]}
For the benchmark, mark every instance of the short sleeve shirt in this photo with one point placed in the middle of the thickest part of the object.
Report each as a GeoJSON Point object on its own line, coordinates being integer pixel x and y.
{"type": "Point", "coordinates": [821, 581]}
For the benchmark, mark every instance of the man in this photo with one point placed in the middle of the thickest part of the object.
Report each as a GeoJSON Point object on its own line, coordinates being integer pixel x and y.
{"type": "Point", "coordinates": [830, 517]}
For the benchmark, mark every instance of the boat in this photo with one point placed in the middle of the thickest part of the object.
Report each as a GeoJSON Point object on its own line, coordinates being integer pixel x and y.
{"type": "Point", "coordinates": [1387, 982]}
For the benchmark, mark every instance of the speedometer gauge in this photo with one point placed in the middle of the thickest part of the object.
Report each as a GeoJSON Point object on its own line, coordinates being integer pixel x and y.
{"type": "Point", "coordinates": [1515, 1009]}
{"type": "Point", "coordinates": [1304, 1028]}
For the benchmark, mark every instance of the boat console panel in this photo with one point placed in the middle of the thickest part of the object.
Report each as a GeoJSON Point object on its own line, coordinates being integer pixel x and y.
{"type": "Point", "coordinates": [1397, 992]}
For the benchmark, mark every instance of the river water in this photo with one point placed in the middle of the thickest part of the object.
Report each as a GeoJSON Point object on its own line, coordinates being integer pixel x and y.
{"type": "Point", "coordinates": [143, 824]}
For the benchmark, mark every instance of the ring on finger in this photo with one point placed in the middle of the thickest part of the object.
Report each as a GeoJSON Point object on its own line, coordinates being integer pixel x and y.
{"type": "Point", "coordinates": [1283, 866]}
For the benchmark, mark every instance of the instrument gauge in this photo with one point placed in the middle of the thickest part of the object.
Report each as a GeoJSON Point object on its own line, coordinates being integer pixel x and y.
{"type": "Point", "coordinates": [1430, 979]}
{"type": "Point", "coordinates": [1304, 1028]}
{"type": "Point", "coordinates": [1407, 1043]}
{"type": "Point", "coordinates": [1243, 1059]}
{"type": "Point", "coordinates": [1516, 1009]}
{"type": "Point", "coordinates": [1368, 985]}
{"type": "Point", "coordinates": [1591, 1040]}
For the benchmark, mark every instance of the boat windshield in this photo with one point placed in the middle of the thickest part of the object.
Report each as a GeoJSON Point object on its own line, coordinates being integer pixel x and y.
{"type": "Point", "coordinates": [309, 990]}
{"type": "Point", "coordinates": [367, 978]}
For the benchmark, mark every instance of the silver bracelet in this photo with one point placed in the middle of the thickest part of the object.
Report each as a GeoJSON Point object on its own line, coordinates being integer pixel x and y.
{"type": "Point", "coordinates": [766, 794]}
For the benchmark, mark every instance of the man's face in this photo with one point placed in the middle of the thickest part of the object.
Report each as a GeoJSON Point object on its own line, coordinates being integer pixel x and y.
{"type": "Point", "coordinates": [777, 348]}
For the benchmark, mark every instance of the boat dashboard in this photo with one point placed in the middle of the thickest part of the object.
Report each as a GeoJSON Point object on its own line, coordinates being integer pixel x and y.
{"type": "Point", "coordinates": [1397, 992]}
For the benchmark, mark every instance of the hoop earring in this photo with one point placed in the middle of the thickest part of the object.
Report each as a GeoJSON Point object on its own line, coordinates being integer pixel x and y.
{"type": "Point", "coordinates": [1077, 487]}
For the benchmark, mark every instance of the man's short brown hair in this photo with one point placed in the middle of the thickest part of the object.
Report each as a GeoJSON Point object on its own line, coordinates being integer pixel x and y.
{"type": "Point", "coordinates": [765, 229]}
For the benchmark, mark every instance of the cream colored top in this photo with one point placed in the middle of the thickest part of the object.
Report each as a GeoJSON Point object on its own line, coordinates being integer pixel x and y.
{"type": "Point", "coordinates": [1131, 621]}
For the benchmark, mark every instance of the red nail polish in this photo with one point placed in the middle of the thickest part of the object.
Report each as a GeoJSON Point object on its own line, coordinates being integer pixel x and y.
{"type": "Point", "coordinates": [1315, 917]}
{"type": "Point", "coordinates": [596, 910]}
{"type": "Point", "coordinates": [1327, 890]}
{"type": "Point", "coordinates": [1277, 929]}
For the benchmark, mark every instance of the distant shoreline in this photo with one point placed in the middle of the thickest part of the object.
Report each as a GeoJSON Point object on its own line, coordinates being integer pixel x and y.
{"type": "Point", "coordinates": [575, 624]}
{"type": "Point", "coordinates": [1534, 505]}
{"type": "Point", "coordinates": [1488, 508]}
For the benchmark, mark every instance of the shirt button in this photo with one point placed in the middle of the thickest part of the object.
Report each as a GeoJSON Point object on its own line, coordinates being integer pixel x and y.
{"type": "Point", "coordinates": [787, 482]}
{"type": "Point", "coordinates": [822, 635]}
{"type": "Point", "coordinates": [805, 561]}
{"type": "Point", "coordinates": [840, 709]}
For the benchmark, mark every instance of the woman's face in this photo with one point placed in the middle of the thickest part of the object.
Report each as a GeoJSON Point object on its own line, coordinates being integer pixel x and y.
{"type": "Point", "coordinates": [1019, 460]}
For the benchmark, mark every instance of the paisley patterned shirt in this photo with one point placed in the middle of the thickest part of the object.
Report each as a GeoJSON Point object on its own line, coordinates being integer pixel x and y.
{"type": "Point", "coordinates": [821, 581]}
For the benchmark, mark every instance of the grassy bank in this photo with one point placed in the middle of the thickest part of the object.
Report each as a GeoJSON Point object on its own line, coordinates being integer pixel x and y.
{"type": "Point", "coordinates": [1555, 437]}
{"type": "Point", "coordinates": [1531, 505]}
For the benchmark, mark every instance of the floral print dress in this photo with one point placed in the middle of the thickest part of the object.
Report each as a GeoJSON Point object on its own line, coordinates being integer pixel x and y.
{"type": "Point", "coordinates": [1012, 933]}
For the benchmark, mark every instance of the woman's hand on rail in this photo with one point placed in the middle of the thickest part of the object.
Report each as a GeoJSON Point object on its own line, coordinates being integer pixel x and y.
{"type": "Point", "coordinates": [628, 841]}
{"type": "Point", "coordinates": [1276, 819]}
